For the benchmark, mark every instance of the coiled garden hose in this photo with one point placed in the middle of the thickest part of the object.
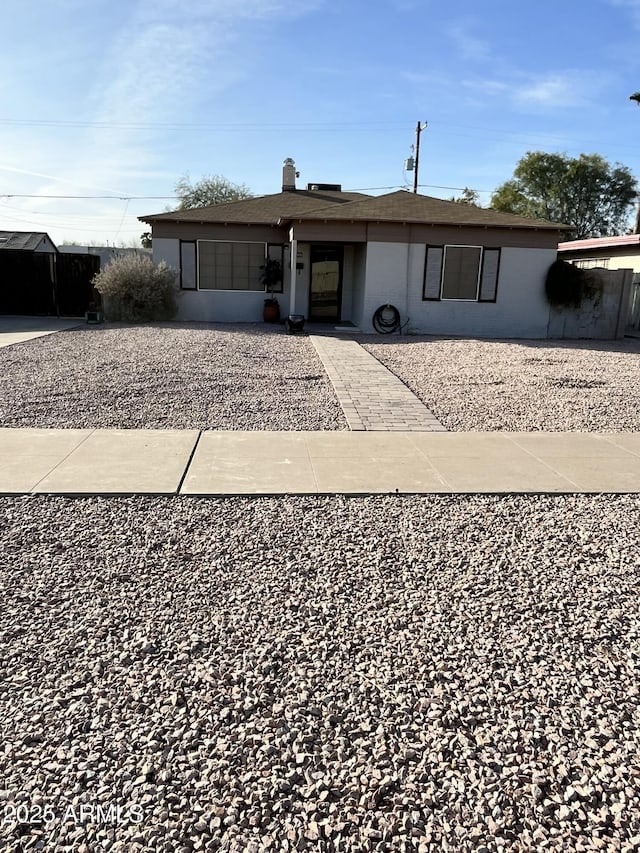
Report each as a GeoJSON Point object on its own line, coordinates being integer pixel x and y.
{"type": "Point", "coordinates": [386, 320]}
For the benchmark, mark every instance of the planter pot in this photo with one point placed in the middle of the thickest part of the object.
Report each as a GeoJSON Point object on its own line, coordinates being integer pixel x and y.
{"type": "Point", "coordinates": [294, 324]}
{"type": "Point", "coordinates": [271, 312]}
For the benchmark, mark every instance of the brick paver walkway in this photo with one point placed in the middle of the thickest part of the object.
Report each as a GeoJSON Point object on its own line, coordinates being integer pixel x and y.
{"type": "Point", "coordinates": [371, 397]}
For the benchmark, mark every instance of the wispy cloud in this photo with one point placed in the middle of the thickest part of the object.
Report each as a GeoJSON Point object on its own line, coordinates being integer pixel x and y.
{"type": "Point", "coordinates": [161, 63]}
{"type": "Point", "coordinates": [491, 87]}
{"type": "Point", "coordinates": [468, 45]}
{"type": "Point", "coordinates": [632, 6]}
{"type": "Point", "coordinates": [165, 60]}
{"type": "Point", "coordinates": [549, 91]}
{"type": "Point", "coordinates": [407, 5]}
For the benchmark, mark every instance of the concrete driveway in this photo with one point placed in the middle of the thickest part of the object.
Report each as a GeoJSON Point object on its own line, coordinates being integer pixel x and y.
{"type": "Point", "coordinates": [15, 329]}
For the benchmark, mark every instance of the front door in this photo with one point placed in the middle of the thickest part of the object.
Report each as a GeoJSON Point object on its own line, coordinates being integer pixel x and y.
{"type": "Point", "coordinates": [326, 283]}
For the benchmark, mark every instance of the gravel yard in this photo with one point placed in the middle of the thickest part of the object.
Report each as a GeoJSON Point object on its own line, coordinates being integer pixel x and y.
{"type": "Point", "coordinates": [392, 674]}
{"type": "Point", "coordinates": [320, 674]}
{"type": "Point", "coordinates": [522, 386]}
{"type": "Point", "coordinates": [196, 376]}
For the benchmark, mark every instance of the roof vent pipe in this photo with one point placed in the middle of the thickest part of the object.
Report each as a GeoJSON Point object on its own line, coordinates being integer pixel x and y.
{"type": "Point", "coordinates": [289, 176]}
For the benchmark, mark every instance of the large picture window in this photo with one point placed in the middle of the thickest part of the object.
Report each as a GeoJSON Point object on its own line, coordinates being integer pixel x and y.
{"type": "Point", "coordinates": [229, 266]}
{"type": "Point", "coordinates": [465, 273]}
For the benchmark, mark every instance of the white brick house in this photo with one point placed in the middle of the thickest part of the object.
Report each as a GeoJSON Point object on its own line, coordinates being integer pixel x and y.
{"type": "Point", "coordinates": [448, 268]}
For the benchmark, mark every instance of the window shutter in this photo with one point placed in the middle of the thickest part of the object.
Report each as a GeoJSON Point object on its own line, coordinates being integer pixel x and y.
{"type": "Point", "coordinates": [275, 252]}
{"type": "Point", "coordinates": [432, 272]}
{"type": "Point", "coordinates": [188, 278]}
{"type": "Point", "coordinates": [489, 279]}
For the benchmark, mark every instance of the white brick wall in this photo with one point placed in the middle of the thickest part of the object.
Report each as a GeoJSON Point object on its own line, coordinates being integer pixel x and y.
{"type": "Point", "coordinates": [168, 250]}
{"type": "Point", "coordinates": [222, 306]}
{"type": "Point", "coordinates": [394, 275]}
{"type": "Point", "coordinates": [386, 280]}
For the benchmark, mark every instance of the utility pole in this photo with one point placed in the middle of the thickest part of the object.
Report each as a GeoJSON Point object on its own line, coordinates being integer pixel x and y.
{"type": "Point", "coordinates": [636, 97]}
{"type": "Point", "coordinates": [419, 130]}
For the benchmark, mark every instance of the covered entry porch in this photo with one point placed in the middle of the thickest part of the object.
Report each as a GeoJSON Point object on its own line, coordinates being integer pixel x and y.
{"type": "Point", "coordinates": [327, 281]}
{"type": "Point", "coordinates": [328, 271]}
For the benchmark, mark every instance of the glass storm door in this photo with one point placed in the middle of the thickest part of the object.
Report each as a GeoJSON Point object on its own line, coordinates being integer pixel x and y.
{"type": "Point", "coordinates": [326, 283]}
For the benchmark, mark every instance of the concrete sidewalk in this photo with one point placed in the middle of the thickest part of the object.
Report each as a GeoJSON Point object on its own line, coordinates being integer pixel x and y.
{"type": "Point", "coordinates": [170, 462]}
{"type": "Point", "coordinates": [15, 330]}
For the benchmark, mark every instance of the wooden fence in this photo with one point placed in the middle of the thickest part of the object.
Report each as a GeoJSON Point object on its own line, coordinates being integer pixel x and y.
{"type": "Point", "coordinates": [43, 283]}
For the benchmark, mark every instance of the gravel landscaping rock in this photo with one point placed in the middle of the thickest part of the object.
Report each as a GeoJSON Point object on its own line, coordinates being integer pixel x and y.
{"type": "Point", "coordinates": [195, 376]}
{"type": "Point", "coordinates": [522, 386]}
{"type": "Point", "coordinates": [320, 674]}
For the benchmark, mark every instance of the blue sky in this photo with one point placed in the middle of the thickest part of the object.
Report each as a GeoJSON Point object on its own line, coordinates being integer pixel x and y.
{"type": "Point", "coordinates": [121, 98]}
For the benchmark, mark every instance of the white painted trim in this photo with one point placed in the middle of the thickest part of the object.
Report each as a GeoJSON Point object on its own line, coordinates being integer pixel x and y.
{"type": "Point", "coordinates": [293, 266]}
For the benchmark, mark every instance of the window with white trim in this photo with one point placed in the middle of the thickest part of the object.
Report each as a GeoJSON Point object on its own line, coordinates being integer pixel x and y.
{"type": "Point", "coordinates": [230, 266]}
{"type": "Point", "coordinates": [464, 273]}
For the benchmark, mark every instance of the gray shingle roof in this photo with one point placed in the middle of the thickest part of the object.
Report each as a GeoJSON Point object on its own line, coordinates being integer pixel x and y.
{"type": "Point", "coordinates": [259, 210]}
{"type": "Point", "coordinates": [29, 240]}
{"type": "Point", "coordinates": [302, 205]}
{"type": "Point", "coordinates": [403, 206]}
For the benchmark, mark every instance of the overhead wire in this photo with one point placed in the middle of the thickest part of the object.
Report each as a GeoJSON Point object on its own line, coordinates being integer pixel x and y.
{"type": "Point", "coordinates": [173, 197]}
{"type": "Point", "coordinates": [224, 126]}
{"type": "Point", "coordinates": [124, 213]}
{"type": "Point", "coordinates": [111, 197]}
{"type": "Point", "coordinates": [457, 129]}
{"type": "Point", "coordinates": [70, 225]}
{"type": "Point", "coordinates": [82, 217]}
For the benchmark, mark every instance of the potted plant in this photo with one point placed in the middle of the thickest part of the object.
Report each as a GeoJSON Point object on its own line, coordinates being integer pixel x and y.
{"type": "Point", "coordinates": [270, 276]}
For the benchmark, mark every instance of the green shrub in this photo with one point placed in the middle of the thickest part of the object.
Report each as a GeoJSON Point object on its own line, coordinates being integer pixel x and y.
{"type": "Point", "coordinates": [135, 290]}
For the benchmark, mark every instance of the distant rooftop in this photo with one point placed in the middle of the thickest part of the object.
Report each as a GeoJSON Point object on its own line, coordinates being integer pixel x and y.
{"type": "Point", "coordinates": [600, 243]}
{"type": "Point", "coordinates": [28, 240]}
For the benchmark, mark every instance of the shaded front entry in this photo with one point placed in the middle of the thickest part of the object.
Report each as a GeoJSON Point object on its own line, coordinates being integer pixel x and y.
{"type": "Point", "coordinates": [325, 294]}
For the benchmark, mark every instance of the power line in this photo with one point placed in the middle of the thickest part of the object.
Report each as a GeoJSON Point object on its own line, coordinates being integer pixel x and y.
{"type": "Point", "coordinates": [126, 208]}
{"type": "Point", "coordinates": [78, 226]}
{"type": "Point", "coordinates": [221, 126]}
{"type": "Point", "coordinates": [72, 214]}
{"type": "Point", "coordinates": [111, 197]}
{"type": "Point", "coordinates": [429, 186]}
{"type": "Point", "coordinates": [306, 127]}
{"type": "Point", "coordinates": [171, 197]}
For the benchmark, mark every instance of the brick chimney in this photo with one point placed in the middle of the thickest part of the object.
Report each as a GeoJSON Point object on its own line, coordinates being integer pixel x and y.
{"type": "Point", "coordinates": [289, 176]}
